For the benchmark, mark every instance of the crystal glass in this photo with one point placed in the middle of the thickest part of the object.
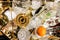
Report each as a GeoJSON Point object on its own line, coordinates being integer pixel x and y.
{"type": "Point", "coordinates": [23, 34]}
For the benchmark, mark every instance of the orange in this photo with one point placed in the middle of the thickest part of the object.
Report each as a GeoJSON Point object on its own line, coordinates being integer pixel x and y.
{"type": "Point", "coordinates": [41, 31]}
